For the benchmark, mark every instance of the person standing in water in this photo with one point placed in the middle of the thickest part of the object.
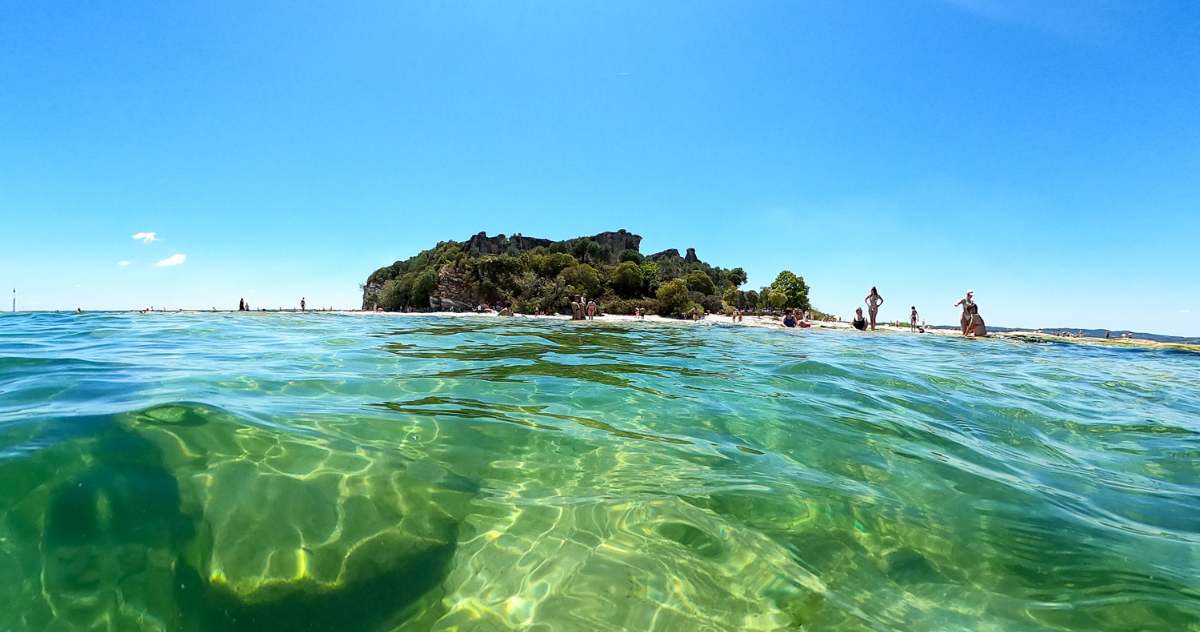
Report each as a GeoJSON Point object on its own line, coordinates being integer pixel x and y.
{"type": "Point", "coordinates": [967, 302]}
{"type": "Point", "coordinates": [874, 300]}
{"type": "Point", "coordinates": [302, 304]}
{"type": "Point", "coordinates": [912, 320]}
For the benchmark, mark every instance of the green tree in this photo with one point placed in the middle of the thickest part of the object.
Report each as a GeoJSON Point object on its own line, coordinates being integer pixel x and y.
{"type": "Point", "coordinates": [732, 297]}
{"type": "Point", "coordinates": [793, 289]}
{"type": "Point", "coordinates": [627, 280]}
{"type": "Point", "coordinates": [777, 299]}
{"type": "Point", "coordinates": [393, 295]}
{"type": "Point", "coordinates": [736, 276]}
{"type": "Point", "coordinates": [651, 276]}
{"type": "Point", "coordinates": [422, 289]}
{"type": "Point", "coordinates": [631, 255]}
{"type": "Point", "coordinates": [581, 279]}
{"type": "Point", "coordinates": [698, 281]}
{"type": "Point", "coordinates": [674, 298]}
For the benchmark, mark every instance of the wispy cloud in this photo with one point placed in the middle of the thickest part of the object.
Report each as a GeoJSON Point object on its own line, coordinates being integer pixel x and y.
{"type": "Point", "coordinates": [123, 264]}
{"type": "Point", "coordinates": [1185, 311]}
{"type": "Point", "coordinates": [145, 237]}
{"type": "Point", "coordinates": [173, 260]}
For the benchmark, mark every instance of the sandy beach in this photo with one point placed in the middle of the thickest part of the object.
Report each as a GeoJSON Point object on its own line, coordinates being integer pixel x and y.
{"type": "Point", "coordinates": [767, 322]}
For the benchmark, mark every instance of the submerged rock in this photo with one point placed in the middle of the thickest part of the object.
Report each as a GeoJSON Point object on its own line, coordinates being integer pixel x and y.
{"type": "Point", "coordinates": [89, 536]}
{"type": "Point", "coordinates": [183, 517]}
{"type": "Point", "coordinates": [293, 520]}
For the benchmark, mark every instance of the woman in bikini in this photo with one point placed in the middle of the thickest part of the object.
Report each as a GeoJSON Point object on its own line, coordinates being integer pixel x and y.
{"type": "Point", "coordinates": [975, 326]}
{"type": "Point", "coordinates": [874, 300]}
{"type": "Point", "coordinates": [967, 303]}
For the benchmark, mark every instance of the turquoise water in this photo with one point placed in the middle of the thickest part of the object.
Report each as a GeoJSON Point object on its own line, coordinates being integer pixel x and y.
{"type": "Point", "coordinates": [326, 472]}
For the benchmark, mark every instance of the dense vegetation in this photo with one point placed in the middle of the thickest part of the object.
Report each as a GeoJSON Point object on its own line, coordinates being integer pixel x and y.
{"type": "Point", "coordinates": [540, 276]}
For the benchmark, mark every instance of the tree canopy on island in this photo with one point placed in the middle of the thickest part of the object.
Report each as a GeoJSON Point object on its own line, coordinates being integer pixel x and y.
{"type": "Point", "coordinates": [541, 276]}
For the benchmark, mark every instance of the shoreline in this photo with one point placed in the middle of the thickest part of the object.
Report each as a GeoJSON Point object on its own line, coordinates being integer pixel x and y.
{"type": "Point", "coordinates": [760, 322]}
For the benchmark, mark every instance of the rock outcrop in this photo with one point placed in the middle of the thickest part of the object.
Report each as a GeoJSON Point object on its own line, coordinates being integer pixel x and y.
{"type": "Point", "coordinates": [453, 292]}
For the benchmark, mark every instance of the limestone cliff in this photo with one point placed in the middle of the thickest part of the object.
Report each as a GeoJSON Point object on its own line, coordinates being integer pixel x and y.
{"type": "Point", "coordinates": [457, 275]}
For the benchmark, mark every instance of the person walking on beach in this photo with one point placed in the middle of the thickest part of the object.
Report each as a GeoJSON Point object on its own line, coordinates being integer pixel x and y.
{"type": "Point", "coordinates": [874, 300]}
{"type": "Point", "coordinates": [967, 302]}
{"type": "Point", "coordinates": [912, 320]}
{"type": "Point", "coordinates": [859, 322]}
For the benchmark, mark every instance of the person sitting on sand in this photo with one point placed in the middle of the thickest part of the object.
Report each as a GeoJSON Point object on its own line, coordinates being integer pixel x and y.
{"type": "Point", "coordinates": [975, 326]}
{"type": "Point", "coordinates": [966, 302]}
{"type": "Point", "coordinates": [804, 322]}
{"type": "Point", "coordinates": [912, 319]}
{"type": "Point", "coordinates": [859, 322]}
{"type": "Point", "coordinates": [874, 300]}
{"type": "Point", "coordinates": [789, 319]}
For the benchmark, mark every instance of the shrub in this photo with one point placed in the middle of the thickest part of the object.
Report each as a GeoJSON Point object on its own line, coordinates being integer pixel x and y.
{"type": "Point", "coordinates": [673, 298]}
{"type": "Point", "coordinates": [627, 280]}
{"type": "Point", "coordinates": [581, 279]}
{"type": "Point", "coordinates": [628, 305]}
{"type": "Point", "coordinates": [698, 281]}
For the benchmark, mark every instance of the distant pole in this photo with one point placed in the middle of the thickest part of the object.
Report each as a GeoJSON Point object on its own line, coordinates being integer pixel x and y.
{"type": "Point", "coordinates": [14, 300]}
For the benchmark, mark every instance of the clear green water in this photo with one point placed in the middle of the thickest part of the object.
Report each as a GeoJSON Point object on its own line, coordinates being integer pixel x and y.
{"type": "Point", "coordinates": [324, 472]}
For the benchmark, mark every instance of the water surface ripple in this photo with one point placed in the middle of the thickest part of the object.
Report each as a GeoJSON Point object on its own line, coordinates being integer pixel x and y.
{"type": "Point", "coordinates": [317, 472]}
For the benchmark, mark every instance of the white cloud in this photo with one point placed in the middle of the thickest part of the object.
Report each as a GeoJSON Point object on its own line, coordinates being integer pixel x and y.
{"type": "Point", "coordinates": [146, 238]}
{"type": "Point", "coordinates": [173, 260]}
{"type": "Point", "coordinates": [123, 264]}
{"type": "Point", "coordinates": [1185, 311]}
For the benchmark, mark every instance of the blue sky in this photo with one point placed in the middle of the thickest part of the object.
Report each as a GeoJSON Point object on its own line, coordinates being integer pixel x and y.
{"type": "Point", "coordinates": [1046, 154]}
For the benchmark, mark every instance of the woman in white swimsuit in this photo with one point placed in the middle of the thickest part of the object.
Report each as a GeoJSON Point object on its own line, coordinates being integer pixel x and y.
{"type": "Point", "coordinates": [967, 303]}
{"type": "Point", "coordinates": [874, 300]}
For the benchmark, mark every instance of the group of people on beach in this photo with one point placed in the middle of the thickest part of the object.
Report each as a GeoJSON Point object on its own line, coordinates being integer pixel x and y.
{"type": "Point", "coordinates": [971, 322]}
{"type": "Point", "coordinates": [796, 318]}
{"type": "Point", "coordinates": [583, 309]}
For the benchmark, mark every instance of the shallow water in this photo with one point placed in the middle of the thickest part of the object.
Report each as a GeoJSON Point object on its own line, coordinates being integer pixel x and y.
{"type": "Point", "coordinates": [322, 472]}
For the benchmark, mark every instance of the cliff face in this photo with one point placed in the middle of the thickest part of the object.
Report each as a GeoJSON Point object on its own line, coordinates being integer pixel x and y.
{"type": "Point", "coordinates": [451, 292]}
{"type": "Point", "coordinates": [613, 243]}
{"type": "Point", "coordinates": [498, 245]}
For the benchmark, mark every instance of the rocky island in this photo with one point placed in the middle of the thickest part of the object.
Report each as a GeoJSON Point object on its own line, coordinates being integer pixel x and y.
{"type": "Point", "coordinates": [536, 275]}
